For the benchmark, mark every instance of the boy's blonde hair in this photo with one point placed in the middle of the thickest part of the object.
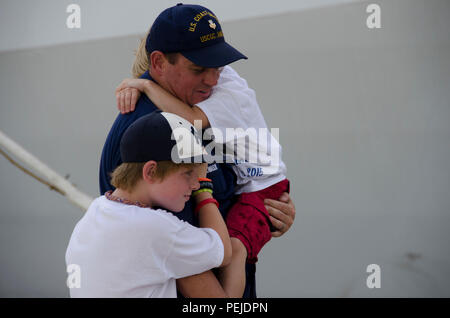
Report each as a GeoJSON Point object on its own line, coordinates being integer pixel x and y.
{"type": "Point", "coordinates": [128, 174]}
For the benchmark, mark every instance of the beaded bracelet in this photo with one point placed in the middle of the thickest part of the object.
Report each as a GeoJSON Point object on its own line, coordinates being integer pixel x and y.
{"type": "Point", "coordinates": [206, 184]}
{"type": "Point", "coordinates": [204, 202]}
{"type": "Point", "coordinates": [202, 190]}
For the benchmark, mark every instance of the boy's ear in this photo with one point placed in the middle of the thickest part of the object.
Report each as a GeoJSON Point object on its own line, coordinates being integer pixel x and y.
{"type": "Point", "coordinates": [149, 171]}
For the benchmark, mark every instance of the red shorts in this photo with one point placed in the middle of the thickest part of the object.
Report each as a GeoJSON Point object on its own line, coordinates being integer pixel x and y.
{"type": "Point", "coordinates": [248, 219]}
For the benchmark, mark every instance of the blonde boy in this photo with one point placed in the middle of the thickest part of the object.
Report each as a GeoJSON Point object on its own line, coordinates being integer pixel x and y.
{"type": "Point", "coordinates": [127, 244]}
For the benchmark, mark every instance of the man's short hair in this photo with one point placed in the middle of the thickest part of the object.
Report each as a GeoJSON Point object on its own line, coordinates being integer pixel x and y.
{"type": "Point", "coordinates": [171, 57]}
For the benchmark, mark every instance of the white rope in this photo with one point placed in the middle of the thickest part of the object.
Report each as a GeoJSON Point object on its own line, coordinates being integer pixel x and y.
{"type": "Point", "coordinates": [54, 180]}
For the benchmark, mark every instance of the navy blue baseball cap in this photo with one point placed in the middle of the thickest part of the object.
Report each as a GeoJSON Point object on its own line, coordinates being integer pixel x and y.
{"type": "Point", "coordinates": [195, 32]}
{"type": "Point", "coordinates": [161, 136]}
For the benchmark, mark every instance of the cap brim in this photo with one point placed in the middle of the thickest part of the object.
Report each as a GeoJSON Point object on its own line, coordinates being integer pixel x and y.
{"type": "Point", "coordinates": [217, 55]}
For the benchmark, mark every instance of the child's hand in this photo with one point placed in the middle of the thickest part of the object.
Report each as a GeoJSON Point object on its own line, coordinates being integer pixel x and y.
{"type": "Point", "coordinates": [126, 99]}
{"type": "Point", "coordinates": [128, 92]}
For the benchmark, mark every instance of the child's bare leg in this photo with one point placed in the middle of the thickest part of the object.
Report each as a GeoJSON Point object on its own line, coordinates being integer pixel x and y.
{"type": "Point", "coordinates": [232, 276]}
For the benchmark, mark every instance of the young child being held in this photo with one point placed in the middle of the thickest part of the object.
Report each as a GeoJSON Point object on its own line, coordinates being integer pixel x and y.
{"type": "Point", "coordinates": [127, 244]}
{"type": "Point", "coordinates": [232, 104]}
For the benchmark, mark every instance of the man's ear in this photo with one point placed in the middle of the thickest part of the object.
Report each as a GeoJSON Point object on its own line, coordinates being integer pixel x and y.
{"type": "Point", "coordinates": [158, 62]}
{"type": "Point", "coordinates": [149, 171]}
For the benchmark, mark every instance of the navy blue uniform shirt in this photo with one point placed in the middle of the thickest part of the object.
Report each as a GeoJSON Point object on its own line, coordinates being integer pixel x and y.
{"type": "Point", "coordinates": [222, 174]}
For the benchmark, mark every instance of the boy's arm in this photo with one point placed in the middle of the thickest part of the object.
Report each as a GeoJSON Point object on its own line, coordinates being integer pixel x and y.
{"type": "Point", "coordinates": [204, 285]}
{"type": "Point", "coordinates": [162, 99]}
{"type": "Point", "coordinates": [210, 217]}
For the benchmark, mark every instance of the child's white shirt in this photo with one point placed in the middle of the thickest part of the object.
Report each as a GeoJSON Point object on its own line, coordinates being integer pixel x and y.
{"type": "Point", "coordinates": [127, 251]}
{"type": "Point", "coordinates": [233, 114]}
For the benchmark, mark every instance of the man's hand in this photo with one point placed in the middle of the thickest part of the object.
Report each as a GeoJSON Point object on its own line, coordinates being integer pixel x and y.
{"type": "Point", "coordinates": [281, 213]}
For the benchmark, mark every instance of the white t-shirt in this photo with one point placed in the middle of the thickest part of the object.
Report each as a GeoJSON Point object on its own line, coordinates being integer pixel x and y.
{"type": "Point", "coordinates": [127, 251]}
{"type": "Point", "coordinates": [236, 121]}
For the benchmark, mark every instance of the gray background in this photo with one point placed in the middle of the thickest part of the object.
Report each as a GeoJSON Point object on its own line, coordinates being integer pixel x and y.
{"type": "Point", "coordinates": [364, 123]}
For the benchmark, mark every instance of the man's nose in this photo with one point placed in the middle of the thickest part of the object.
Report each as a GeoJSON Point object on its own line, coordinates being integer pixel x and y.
{"type": "Point", "coordinates": [211, 76]}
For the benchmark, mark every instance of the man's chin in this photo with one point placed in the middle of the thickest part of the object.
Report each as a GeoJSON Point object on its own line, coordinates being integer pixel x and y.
{"type": "Point", "coordinates": [200, 97]}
